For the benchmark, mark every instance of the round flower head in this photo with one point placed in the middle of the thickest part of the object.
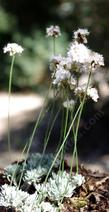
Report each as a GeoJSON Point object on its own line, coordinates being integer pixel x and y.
{"type": "Point", "coordinates": [61, 76]}
{"type": "Point", "coordinates": [53, 31]}
{"type": "Point", "coordinates": [80, 35]}
{"type": "Point", "coordinates": [13, 48]}
{"type": "Point", "coordinates": [91, 92]}
{"type": "Point", "coordinates": [79, 53]}
{"type": "Point", "coordinates": [83, 57]}
{"type": "Point", "coordinates": [69, 104]}
{"type": "Point", "coordinates": [97, 60]}
{"type": "Point", "coordinates": [55, 60]}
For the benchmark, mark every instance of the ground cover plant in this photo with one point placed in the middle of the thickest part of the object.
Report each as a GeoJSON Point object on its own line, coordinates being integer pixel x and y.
{"type": "Point", "coordinates": [45, 182]}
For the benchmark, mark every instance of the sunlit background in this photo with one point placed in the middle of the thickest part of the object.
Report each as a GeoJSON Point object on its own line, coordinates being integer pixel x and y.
{"type": "Point", "coordinates": [25, 22]}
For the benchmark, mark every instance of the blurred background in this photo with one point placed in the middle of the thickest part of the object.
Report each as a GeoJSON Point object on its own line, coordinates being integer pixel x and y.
{"type": "Point", "coordinates": [24, 22]}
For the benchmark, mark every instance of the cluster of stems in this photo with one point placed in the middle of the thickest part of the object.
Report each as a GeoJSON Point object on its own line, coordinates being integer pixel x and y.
{"type": "Point", "coordinates": [66, 127]}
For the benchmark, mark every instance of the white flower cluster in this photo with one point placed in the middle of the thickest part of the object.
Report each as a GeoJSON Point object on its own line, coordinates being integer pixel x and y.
{"type": "Point", "coordinates": [91, 92]}
{"type": "Point", "coordinates": [69, 104]}
{"type": "Point", "coordinates": [61, 67]}
{"type": "Point", "coordinates": [53, 31]}
{"type": "Point", "coordinates": [13, 48]}
{"type": "Point", "coordinates": [80, 35]}
{"type": "Point", "coordinates": [67, 71]}
{"type": "Point", "coordinates": [61, 75]}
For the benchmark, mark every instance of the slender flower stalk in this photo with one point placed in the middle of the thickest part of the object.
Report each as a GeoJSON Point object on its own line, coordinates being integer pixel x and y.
{"type": "Point", "coordinates": [9, 98]}
{"type": "Point", "coordinates": [65, 96]}
{"type": "Point", "coordinates": [14, 173]}
{"type": "Point", "coordinates": [49, 132]}
{"type": "Point", "coordinates": [64, 134]}
{"type": "Point", "coordinates": [54, 32]}
{"type": "Point", "coordinates": [12, 49]}
{"type": "Point", "coordinates": [64, 141]}
{"type": "Point", "coordinates": [54, 45]}
{"type": "Point", "coordinates": [78, 122]}
{"type": "Point", "coordinates": [33, 133]}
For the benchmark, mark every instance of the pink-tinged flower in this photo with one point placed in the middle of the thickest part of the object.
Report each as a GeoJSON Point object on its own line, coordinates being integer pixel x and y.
{"type": "Point", "coordinates": [53, 31]}
{"type": "Point", "coordinates": [80, 35]}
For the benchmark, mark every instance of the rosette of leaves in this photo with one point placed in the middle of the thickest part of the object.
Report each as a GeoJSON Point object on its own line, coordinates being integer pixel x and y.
{"type": "Point", "coordinates": [14, 171]}
{"type": "Point", "coordinates": [41, 190]}
{"type": "Point", "coordinates": [35, 175]}
{"type": "Point", "coordinates": [45, 161]}
{"type": "Point", "coordinates": [35, 168]}
{"type": "Point", "coordinates": [11, 197]}
{"type": "Point", "coordinates": [62, 185]}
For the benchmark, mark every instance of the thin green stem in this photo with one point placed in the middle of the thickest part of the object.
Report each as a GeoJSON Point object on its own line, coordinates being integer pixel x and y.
{"type": "Point", "coordinates": [65, 130]}
{"type": "Point", "coordinates": [12, 178]}
{"type": "Point", "coordinates": [78, 120]}
{"type": "Point", "coordinates": [61, 130]}
{"type": "Point", "coordinates": [54, 45]}
{"type": "Point", "coordinates": [9, 97]}
{"type": "Point", "coordinates": [62, 145]}
{"type": "Point", "coordinates": [33, 133]}
{"type": "Point", "coordinates": [48, 136]}
{"type": "Point", "coordinates": [73, 154]}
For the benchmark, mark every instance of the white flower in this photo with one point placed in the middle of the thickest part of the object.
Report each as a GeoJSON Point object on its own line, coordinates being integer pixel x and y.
{"type": "Point", "coordinates": [13, 48]}
{"type": "Point", "coordinates": [80, 35]}
{"type": "Point", "coordinates": [66, 63]}
{"type": "Point", "coordinates": [61, 75]}
{"type": "Point", "coordinates": [59, 62]}
{"type": "Point", "coordinates": [53, 31]}
{"type": "Point", "coordinates": [83, 57]}
{"type": "Point", "coordinates": [79, 53]}
{"type": "Point", "coordinates": [69, 104]}
{"type": "Point", "coordinates": [91, 92]}
{"type": "Point", "coordinates": [54, 61]}
{"type": "Point", "coordinates": [97, 60]}
{"type": "Point", "coordinates": [62, 72]}
{"type": "Point", "coordinates": [72, 82]}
